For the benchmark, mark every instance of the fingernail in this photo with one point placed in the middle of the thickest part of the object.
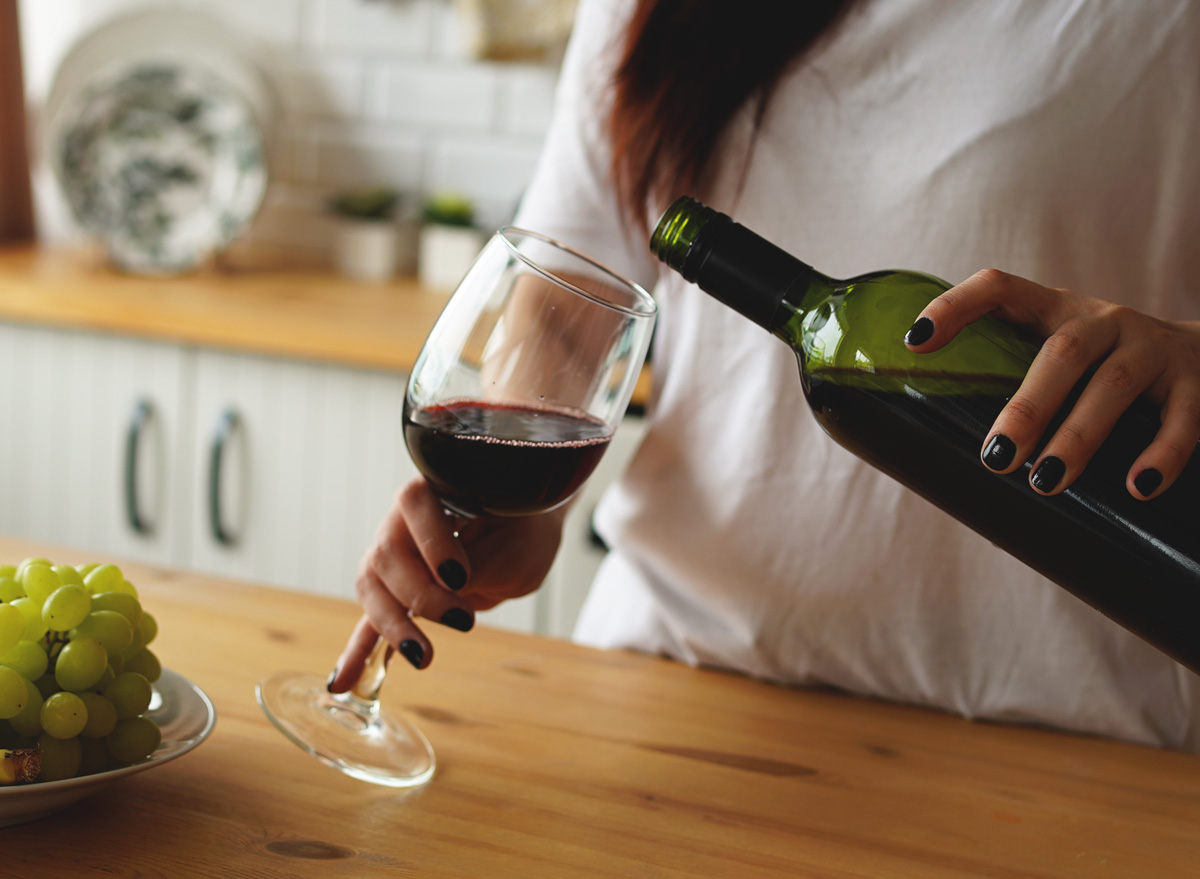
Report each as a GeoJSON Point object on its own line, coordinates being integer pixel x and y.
{"type": "Point", "coordinates": [453, 574]}
{"type": "Point", "coordinates": [1146, 481]}
{"type": "Point", "coordinates": [1048, 474]}
{"type": "Point", "coordinates": [919, 332]}
{"type": "Point", "coordinates": [412, 651]}
{"type": "Point", "coordinates": [998, 453]}
{"type": "Point", "coordinates": [457, 618]}
{"type": "Point", "coordinates": [332, 678]}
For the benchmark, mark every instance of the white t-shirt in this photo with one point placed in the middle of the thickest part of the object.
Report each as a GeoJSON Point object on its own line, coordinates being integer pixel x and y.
{"type": "Point", "coordinates": [1053, 139]}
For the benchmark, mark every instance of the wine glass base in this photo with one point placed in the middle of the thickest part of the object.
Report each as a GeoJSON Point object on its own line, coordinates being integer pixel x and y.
{"type": "Point", "coordinates": [346, 732]}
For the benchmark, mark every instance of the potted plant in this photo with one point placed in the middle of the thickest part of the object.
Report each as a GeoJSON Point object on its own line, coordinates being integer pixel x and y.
{"type": "Point", "coordinates": [449, 240]}
{"type": "Point", "coordinates": [367, 240]}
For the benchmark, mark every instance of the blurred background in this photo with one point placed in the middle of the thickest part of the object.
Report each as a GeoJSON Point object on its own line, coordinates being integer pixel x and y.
{"type": "Point", "coordinates": [421, 97]}
{"type": "Point", "coordinates": [225, 229]}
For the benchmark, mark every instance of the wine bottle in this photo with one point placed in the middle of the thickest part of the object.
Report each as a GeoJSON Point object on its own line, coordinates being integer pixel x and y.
{"type": "Point", "coordinates": [923, 419]}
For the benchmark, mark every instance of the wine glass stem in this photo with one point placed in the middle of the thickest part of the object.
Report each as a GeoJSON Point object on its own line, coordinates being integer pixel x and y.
{"type": "Point", "coordinates": [370, 681]}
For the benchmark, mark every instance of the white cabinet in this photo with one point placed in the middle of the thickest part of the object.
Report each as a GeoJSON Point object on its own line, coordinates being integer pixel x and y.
{"type": "Point", "coordinates": [296, 463]}
{"type": "Point", "coordinates": [67, 405]}
{"type": "Point", "coordinates": [258, 468]}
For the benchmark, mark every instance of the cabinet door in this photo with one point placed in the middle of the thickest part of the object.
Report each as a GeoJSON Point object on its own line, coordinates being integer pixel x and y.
{"type": "Point", "coordinates": [66, 471]}
{"type": "Point", "coordinates": [295, 464]}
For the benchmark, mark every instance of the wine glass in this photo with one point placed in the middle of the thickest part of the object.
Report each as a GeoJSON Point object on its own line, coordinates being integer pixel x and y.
{"type": "Point", "coordinates": [512, 401]}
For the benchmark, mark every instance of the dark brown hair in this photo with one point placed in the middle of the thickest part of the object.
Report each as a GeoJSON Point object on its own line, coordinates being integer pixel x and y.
{"type": "Point", "coordinates": [687, 66]}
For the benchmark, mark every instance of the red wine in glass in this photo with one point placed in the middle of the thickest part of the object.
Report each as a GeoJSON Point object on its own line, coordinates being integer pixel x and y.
{"type": "Point", "coordinates": [487, 458]}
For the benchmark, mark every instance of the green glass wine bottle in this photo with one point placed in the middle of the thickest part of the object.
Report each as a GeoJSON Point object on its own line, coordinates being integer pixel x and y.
{"type": "Point", "coordinates": [923, 419]}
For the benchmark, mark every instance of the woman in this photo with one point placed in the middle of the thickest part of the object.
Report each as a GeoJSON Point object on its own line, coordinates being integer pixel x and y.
{"type": "Point", "coordinates": [1054, 139]}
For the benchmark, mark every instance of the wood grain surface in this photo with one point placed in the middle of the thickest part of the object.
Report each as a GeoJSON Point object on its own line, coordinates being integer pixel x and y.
{"type": "Point", "coordinates": [560, 761]}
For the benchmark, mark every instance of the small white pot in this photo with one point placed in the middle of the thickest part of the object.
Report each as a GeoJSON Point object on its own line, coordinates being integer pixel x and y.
{"type": "Point", "coordinates": [446, 254]}
{"type": "Point", "coordinates": [366, 250]}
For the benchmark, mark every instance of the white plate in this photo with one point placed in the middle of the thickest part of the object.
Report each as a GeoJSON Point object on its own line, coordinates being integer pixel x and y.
{"type": "Point", "coordinates": [182, 711]}
{"type": "Point", "coordinates": [156, 129]}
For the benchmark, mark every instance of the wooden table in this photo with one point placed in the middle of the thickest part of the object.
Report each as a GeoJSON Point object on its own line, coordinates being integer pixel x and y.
{"type": "Point", "coordinates": [559, 761]}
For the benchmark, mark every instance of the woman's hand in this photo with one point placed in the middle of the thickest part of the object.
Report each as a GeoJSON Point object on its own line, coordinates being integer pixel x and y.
{"type": "Point", "coordinates": [418, 567]}
{"type": "Point", "coordinates": [1132, 354]}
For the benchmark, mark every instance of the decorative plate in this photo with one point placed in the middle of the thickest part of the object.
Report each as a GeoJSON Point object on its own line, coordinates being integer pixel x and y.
{"type": "Point", "coordinates": [182, 711]}
{"type": "Point", "coordinates": [163, 163]}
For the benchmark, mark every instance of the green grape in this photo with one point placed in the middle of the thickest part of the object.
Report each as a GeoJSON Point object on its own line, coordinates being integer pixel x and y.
{"type": "Point", "coordinates": [38, 581]}
{"type": "Point", "coordinates": [94, 756]}
{"type": "Point", "coordinates": [14, 695]}
{"type": "Point", "coordinates": [8, 570]}
{"type": "Point", "coordinates": [116, 665]}
{"type": "Point", "coordinates": [136, 645]}
{"type": "Point", "coordinates": [134, 739]}
{"type": "Point", "coordinates": [81, 664]}
{"type": "Point", "coordinates": [60, 757]}
{"type": "Point", "coordinates": [64, 716]}
{"type": "Point", "coordinates": [28, 659]}
{"type": "Point", "coordinates": [12, 627]}
{"type": "Point", "coordinates": [10, 588]}
{"type": "Point", "coordinates": [104, 578]}
{"type": "Point", "coordinates": [145, 663]}
{"type": "Point", "coordinates": [32, 560]}
{"type": "Point", "coordinates": [122, 602]}
{"type": "Point", "coordinates": [110, 628]}
{"type": "Point", "coordinates": [86, 569]}
{"type": "Point", "coordinates": [29, 721]}
{"type": "Point", "coordinates": [148, 627]}
{"type": "Point", "coordinates": [101, 716]}
{"type": "Point", "coordinates": [130, 692]}
{"type": "Point", "coordinates": [67, 575]}
{"type": "Point", "coordinates": [35, 627]}
{"type": "Point", "coordinates": [66, 607]}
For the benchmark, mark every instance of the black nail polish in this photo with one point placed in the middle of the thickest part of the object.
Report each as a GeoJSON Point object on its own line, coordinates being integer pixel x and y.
{"type": "Point", "coordinates": [453, 574]}
{"type": "Point", "coordinates": [998, 453]}
{"type": "Point", "coordinates": [1146, 481]}
{"type": "Point", "coordinates": [919, 332]}
{"type": "Point", "coordinates": [457, 618]}
{"type": "Point", "coordinates": [329, 683]}
{"type": "Point", "coordinates": [412, 651]}
{"type": "Point", "coordinates": [1048, 474]}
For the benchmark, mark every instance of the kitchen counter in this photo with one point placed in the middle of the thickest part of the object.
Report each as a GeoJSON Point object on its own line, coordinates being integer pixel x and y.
{"type": "Point", "coordinates": [560, 761]}
{"type": "Point", "coordinates": [304, 314]}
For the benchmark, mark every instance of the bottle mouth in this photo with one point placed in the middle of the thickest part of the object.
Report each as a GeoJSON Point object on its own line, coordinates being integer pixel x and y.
{"type": "Point", "coordinates": [678, 230]}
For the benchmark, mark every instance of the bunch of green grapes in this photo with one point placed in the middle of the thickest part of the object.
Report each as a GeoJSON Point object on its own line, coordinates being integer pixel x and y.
{"type": "Point", "coordinates": [75, 669]}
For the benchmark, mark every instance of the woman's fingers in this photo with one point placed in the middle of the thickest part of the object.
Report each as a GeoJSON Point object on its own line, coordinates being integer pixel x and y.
{"type": "Point", "coordinates": [989, 291]}
{"type": "Point", "coordinates": [1163, 460]}
{"type": "Point", "coordinates": [434, 533]}
{"type": "Point", "coordinates": [1057, 369]}
{"type": "Point", "coordinates": [1128, 354]}
{"type": "Point", "coordinates": [354, 656]}
{"type": "Point", "coordinates": [416, 539]}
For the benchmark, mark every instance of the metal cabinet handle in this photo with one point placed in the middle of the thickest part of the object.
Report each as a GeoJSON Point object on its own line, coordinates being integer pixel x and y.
{"type": "Point", "coordinates": [227, 424]}
{"type": "Point", "coordinates": [139, 422]}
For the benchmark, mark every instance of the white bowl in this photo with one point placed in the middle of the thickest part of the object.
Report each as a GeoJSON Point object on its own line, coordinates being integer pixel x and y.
{"type": "Point", "coordinates": [182, 711]}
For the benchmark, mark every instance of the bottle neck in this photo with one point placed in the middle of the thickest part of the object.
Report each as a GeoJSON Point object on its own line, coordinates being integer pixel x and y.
{"type": "Point", "coordinates": [734, 265]}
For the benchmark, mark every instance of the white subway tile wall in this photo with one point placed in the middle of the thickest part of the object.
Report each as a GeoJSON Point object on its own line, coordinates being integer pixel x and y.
{"type": "Point", "coordinates": [370, 92]}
